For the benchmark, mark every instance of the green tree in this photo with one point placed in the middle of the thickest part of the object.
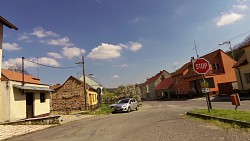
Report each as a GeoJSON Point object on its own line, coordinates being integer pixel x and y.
{"type": "Point", "coordinates": [128, 91]}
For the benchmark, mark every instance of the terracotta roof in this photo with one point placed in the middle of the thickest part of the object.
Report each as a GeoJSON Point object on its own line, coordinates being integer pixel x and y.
{"type": "Point", "coordinates": [7, 23]}
{"type": "Point", "coordinates": [241, 61]}
{"type": "Point", "coordinates": [210, 57]}
{"type": "Point", "coordinates": [54, 87]}
{"type": "Point", "coordinates": [154, 78]}
{"type": "Point", "coordinates": [16, 76]}
{"type": "Point", "coordinates": [182, 69]}
{"type": "Point", "coordinates": [165, 84]}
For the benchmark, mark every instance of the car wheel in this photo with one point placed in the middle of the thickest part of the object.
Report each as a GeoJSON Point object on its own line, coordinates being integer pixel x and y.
{"type": "Point", "coordinates": [129, 109]}
{"type": "Point", "coordinates": [137, 108]}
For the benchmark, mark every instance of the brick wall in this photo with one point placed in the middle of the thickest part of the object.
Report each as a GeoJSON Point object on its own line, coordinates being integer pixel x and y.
{"type": "Point", "coordinates": [68, 98]}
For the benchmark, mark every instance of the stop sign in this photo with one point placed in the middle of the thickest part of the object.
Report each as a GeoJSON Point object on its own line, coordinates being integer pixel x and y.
{"type": "Point", "coordinates": [201, 66]}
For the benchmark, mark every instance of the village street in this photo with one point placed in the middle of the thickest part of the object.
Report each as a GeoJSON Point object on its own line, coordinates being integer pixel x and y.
{"type": "Point", "coordinates": [155, 120]}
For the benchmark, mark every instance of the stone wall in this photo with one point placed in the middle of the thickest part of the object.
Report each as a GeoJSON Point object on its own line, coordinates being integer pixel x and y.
{"type": "Point", "coordinates": [68, 98]}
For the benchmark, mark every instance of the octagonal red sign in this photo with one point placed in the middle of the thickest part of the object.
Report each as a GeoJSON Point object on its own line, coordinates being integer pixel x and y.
{"type": "Point", "coordinates": [201, 66]}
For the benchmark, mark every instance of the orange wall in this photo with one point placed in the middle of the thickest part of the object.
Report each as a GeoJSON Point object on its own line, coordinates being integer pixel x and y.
{"type": "Point", "coordinates": [229, 75]}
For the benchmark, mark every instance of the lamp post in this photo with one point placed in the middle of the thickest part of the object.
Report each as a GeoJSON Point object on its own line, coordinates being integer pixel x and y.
{"type": "Point", "coordinates": [230, 47]}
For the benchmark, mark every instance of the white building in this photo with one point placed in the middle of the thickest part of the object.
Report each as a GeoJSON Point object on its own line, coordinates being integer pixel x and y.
{"type": "Point", "coordinates": [20, 100]}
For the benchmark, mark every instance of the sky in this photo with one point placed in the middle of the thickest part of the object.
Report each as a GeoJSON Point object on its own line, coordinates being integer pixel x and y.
{"type": "Point", "coordinates": [123, 41]}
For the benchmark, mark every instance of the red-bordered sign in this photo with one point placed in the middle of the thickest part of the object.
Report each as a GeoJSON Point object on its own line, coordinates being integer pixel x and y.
{"type": "Point", "coordinates": [201, 66]}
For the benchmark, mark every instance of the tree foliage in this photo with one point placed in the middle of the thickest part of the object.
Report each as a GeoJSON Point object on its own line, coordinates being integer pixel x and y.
{"type": "Point", "coordinates": [128, 91]}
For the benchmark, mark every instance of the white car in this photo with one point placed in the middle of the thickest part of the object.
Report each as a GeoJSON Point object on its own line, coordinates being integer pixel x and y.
{"type": "Point", "coordinates": [126, 105]}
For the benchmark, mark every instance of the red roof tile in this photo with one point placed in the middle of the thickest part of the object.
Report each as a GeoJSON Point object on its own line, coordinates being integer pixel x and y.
{"type": "Point", "coordinates": [154, 78]}
{"type": "Point", "coordinates": [16, 76]}
{"type": "Point", "coordinates": [165, 84]}
{"type": "Point", "coordinates": [54, 87]}
{"type": "Point", "coordinates": [182, 69]}
{"type": "Point", "coordinates": [210, 57]}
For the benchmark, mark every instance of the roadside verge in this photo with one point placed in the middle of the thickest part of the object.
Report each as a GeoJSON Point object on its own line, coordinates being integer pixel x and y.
{"type": "Point", "coordinates": [243, 124]}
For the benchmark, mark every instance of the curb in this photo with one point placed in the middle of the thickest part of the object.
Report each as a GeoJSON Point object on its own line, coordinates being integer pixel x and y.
{"type": "Point", "coordinates": [243, 124]}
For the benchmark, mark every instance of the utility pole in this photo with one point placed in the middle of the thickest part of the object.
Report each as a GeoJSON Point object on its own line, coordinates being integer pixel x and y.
{"type": "Point", "coordinates": [23, 74]}
{"type": "Point", "coordinates": [84, 83]}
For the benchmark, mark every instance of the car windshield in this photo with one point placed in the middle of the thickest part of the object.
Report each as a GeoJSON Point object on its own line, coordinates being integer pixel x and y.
{"type": "Point", "coordinates": [123, 101]}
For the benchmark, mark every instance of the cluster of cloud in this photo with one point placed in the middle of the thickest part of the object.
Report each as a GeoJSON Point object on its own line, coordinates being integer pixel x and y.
{"type": "Point", "coordinates": [42, 60]}
{"type": "Point", "coordinates": [11, 46]}
{"type": "Point", "coordinates": [109, 51]}
{"type": "Point", "coordinates": [233, 16]}
{"type": "Point", "coordinates": [68, 49]}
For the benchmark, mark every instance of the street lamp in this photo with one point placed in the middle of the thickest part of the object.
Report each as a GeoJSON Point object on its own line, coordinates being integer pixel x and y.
{"type": "Point", "coordinates": [230, 47]}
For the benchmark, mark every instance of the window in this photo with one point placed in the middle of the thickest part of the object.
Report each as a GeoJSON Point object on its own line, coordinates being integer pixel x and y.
{"type": "Point", "coordinates": [162, 77]}
{"type": "Point", "coordinates": [216, 66]}
{"type": "Point", "coordinates": [247, 76]}
{"type": "Point", "coordinates": [176, 80]}
{"type": "Point", "coordinates": [42, 97]}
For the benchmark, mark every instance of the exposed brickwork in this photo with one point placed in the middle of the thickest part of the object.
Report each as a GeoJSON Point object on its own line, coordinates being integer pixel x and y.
{"type": "Point", "coordinates": [69, 97]}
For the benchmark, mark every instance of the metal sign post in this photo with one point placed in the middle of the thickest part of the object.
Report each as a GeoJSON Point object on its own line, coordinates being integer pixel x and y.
{"type": "Point", "coordinates": [201, 66]}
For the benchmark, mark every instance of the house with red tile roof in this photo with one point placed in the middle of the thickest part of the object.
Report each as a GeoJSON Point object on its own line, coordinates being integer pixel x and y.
{"type": "Point", "coordinates": [219, 77]}
{"type": "Point", "coordinates": [22, 96]}
{"type": "Point", "coordinates": [165, 88]}
{"type": "Point", "coordinates": [148, 88]}
{"type": "Point", "coordinates": [242, 70]}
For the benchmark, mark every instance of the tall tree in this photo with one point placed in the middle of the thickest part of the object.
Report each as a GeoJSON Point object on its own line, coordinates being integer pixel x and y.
{"type": "Point", "coordinates": [17, 68]}
{"type": "Point", "coordinates": [128, 91]}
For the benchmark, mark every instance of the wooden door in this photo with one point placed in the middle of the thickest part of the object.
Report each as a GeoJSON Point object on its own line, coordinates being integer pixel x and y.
{"type": "Point", "coordinates": [29, 105]}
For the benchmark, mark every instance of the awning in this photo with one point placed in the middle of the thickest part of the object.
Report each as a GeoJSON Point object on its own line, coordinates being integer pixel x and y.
{"type": "Point", "coordinates": [33, 88]}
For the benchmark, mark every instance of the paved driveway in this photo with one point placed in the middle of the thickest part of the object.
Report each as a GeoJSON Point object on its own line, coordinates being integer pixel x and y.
{"type": "Point", "coordinates": [155, 121]}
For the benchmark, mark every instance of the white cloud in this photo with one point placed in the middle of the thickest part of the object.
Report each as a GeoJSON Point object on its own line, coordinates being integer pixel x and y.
{"type": "Point", "coordinates": [105, 51]}
{"type": "Point", "coordinates": [40, 33]}
{"type": "Point", "coordinates": [72, 52]}
{"type": "Point", "coordinates": [60, 42]}
{"type": "Point", "coordinates": [14, 61]}
{"type": "Point", "coordinates": [135, 46]}
{"type": "Point", "coordinates": [240, 6]}
{"type": "Point", "coordinates": [27, 64]}
{"type": "Point", "coordinates": [48, 61]}
{"type": "Point", "coordinates": [230, 18]}
{"type": "Point", "coordinates": [54, 55]}
{"type": "Point", "coordinates": [124, 65]}
{"type": "Point", "coordinates": [24, 38]}
{"type": "Point", "coordinates": [11, 47]}
{"type": "Point", "coordinates": [115, 76]}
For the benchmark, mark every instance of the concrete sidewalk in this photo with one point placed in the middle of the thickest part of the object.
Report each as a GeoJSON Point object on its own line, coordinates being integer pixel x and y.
{"type": "Point", "coordinates": [8, 131]}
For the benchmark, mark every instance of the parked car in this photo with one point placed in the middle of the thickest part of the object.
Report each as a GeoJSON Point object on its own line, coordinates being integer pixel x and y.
{"type": "Point", "coordinates": [111, 105]}
{"type": "Point", "coordinates": [126, 105]}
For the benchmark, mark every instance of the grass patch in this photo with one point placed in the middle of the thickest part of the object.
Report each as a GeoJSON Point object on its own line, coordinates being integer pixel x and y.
{"type": "Point", "coordinates": [104, 110]}
{"type": "Point", "coordinates": [223, 125]}
{"type": "Point", "coordinates": [230, 114]}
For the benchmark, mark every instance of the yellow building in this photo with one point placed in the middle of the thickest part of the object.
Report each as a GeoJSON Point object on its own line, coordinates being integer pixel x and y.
{"type": "Point", "coordinates": [70, 98]}
{"type": "Point", "coordinates": [242, 70]}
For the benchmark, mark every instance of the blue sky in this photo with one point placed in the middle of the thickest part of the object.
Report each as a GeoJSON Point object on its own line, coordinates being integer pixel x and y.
{"type": "Point", "coordinates": [123, 41]}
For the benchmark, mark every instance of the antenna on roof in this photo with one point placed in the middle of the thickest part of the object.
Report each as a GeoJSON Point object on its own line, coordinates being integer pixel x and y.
{"type": "Point", "coordinates": [195, 48]}
{"type": "Point", "coordinates": [174, 67]}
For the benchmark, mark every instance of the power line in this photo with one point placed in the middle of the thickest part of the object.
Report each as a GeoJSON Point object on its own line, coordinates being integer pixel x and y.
{"type": "Point", "coordinates": [50, 66]}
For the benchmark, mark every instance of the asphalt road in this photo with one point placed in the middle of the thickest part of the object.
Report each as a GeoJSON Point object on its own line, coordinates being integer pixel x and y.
{"type": "Point", "coordinates": [155, 121]}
